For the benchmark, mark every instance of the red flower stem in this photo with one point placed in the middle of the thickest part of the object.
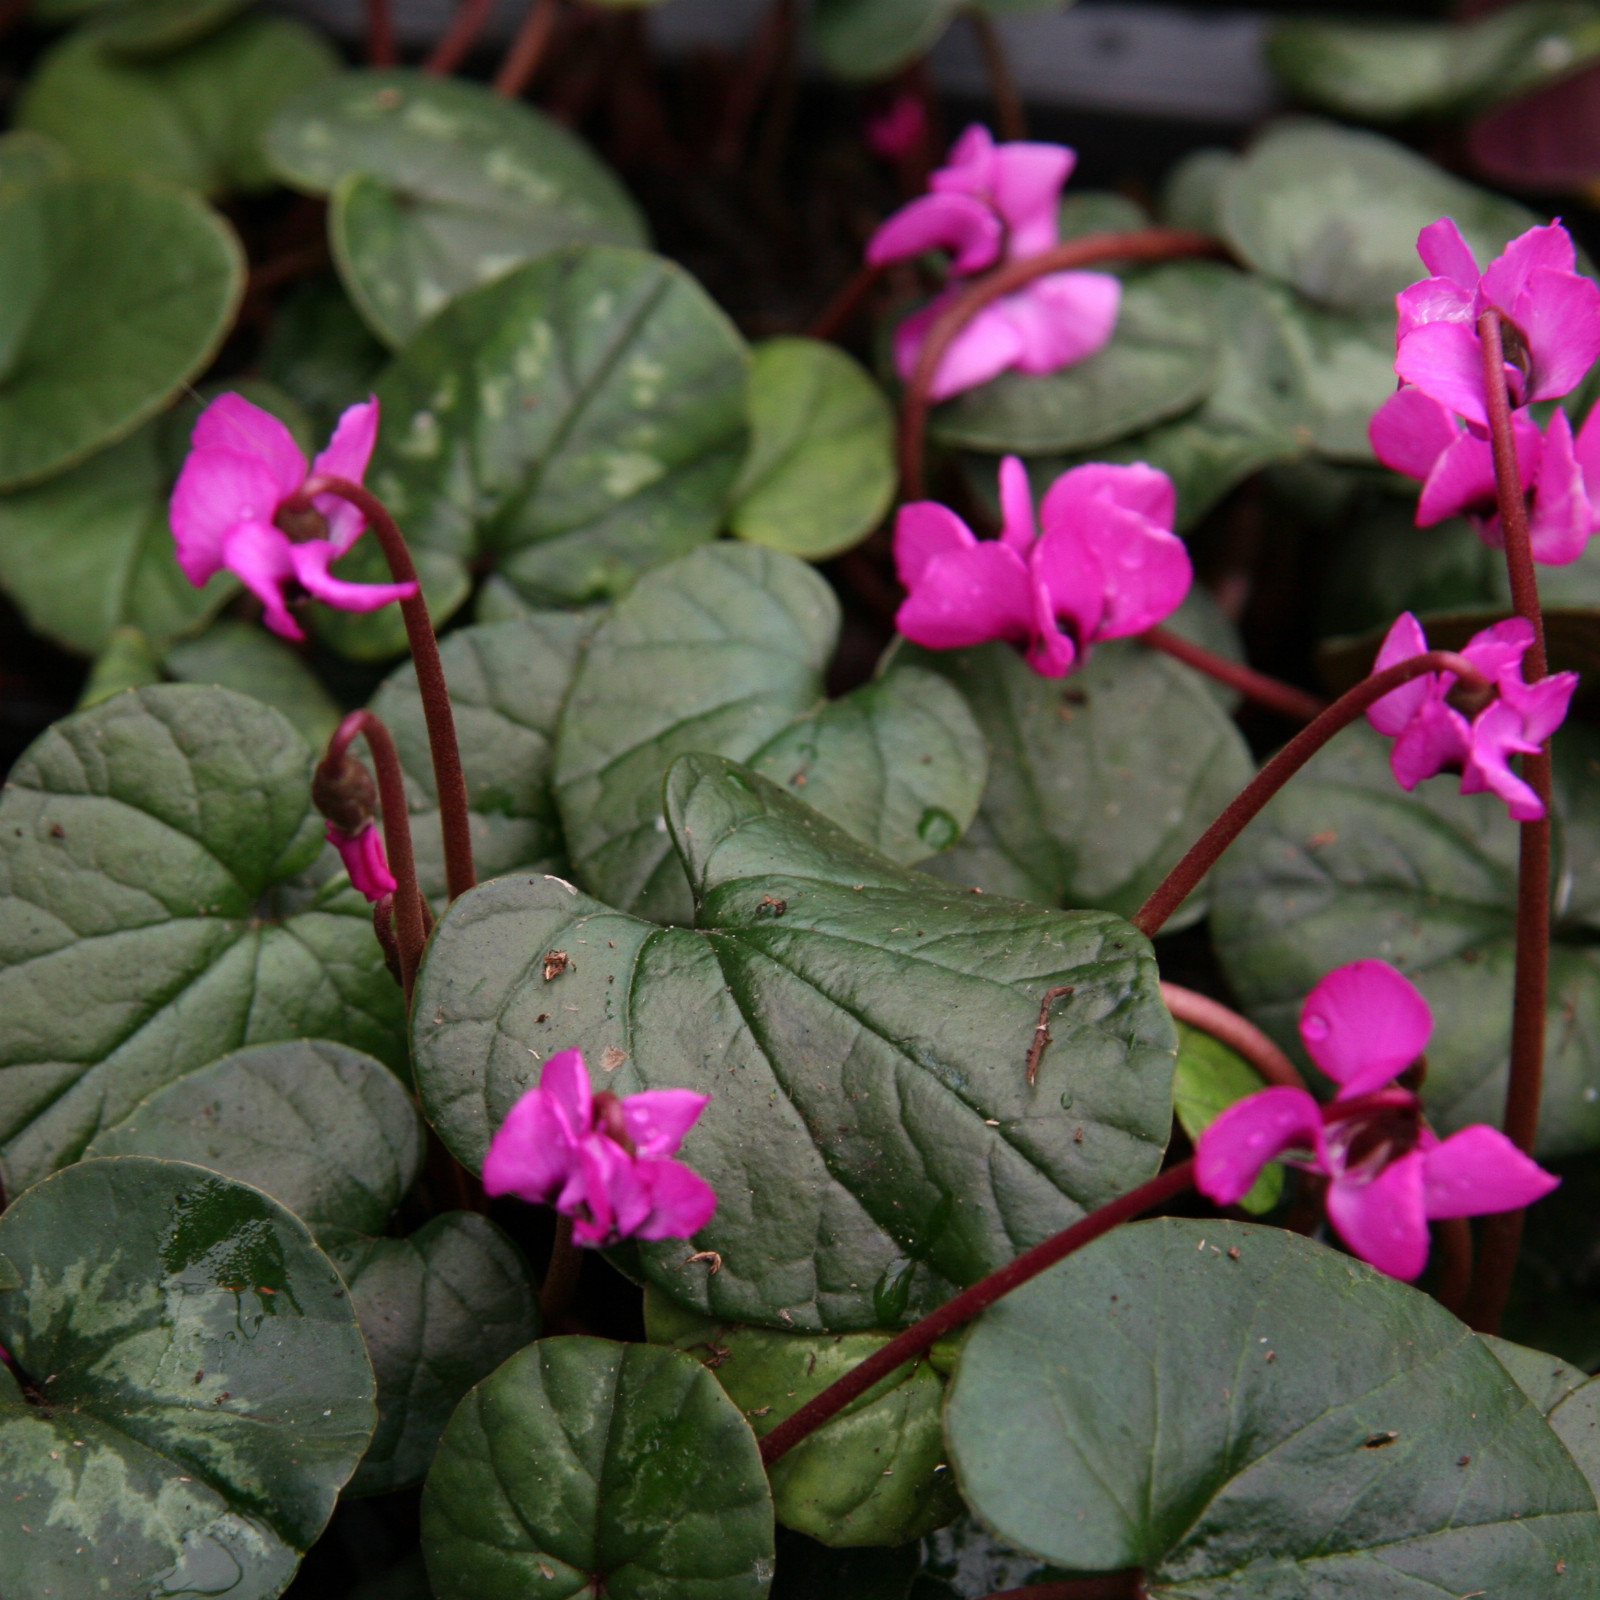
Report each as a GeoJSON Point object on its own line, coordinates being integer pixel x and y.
{"type": "Point", "coordinates": [922, 1336]}
{"type": "Point", "coordinates": [527, 49]}
{"type": "Point", "coordinates": [841, 311]}
{"type": "Point", "coordinates": [769, 45]}
{"type": "Point", "coordinates": [1454, 1236]}
{"type": "Point", "coordinates": [560, 1278]}
{"type": "Point", "coordinates": [1180, 883]}
{"type": "Point", "coordinates": [381, 51]}
{"type": "Point", "coordinates": [1270, 692]}
{"type": "Point", "coordinates": [1238, 1033]}
{"type": "Point", "coordinates": [1139, 244]}
{"type": "Point", "coordinates": [1501, 1237]}
{"type": "Point", "coordinates": [465, 27]}
{"type": "Point", "coordinates": [1008, 112]}
{"type": "Point", "coordinates": [410, 930]}
{"type": "Point", "coordinates": [454, 819]}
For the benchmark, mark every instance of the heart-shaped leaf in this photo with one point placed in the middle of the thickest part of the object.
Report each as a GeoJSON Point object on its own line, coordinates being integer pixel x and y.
{"type": "Point", "coordinates": [508, 682]}
{"type": "Point", "coordinates": [439, 1312]}
{"type": "Point", "coordinates": [1335, 213]}
{"type": "Point", "coordinates": [581, 1458]}
{"type": "Point", "coordinates": [863, 1032]}
{"type": "Point", "coordinates": [865, 39]}
{"type": "Point", "coordinates": [1098, 782]}
{"type": "Point", "coordinates": [1343, 864]}
{"type": "Point", "coordinates": [195, 118]}
{"type": "Point", "coordinates": [153, 914]}
{"type": "Point", "coordinates": [723, 651]}
{"type": "Point", "coordinates": [438, 185]}
{"type": "Point", "coordinates": [873, 1475]}
{"type": "Point", "coordinates": [1251, 1414]}
{"type": "Point", "coordinates": [27, 158]}
{"type": "Point", "coordinates": [195, 1388]}
{"type": "Point", "coordinates": [326, 1131]}
{"type": "Point", "coordinates": [820, 473]}
{"type": "Point", "coordinates": [239, 655]}
{"type": "Point", "coordinates": [117, 294]}
{"type": "Point", "coordinates": [574, 422]}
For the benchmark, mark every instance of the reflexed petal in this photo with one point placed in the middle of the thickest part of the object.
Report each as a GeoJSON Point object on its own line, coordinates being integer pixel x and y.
{"type": "Point", "coordinates": [1446, 254]}
{"type": "Point", "coordinates": [565, 1079]}
{"type": "Point", "coordinates": [364, 859]}
{"type": "Point", "coordinates": [1462, 479]}
{"type": "Point", "coordinates": [981, 351]}
{"type": "Point", "coordinates": [261, 555]}
{"type": "Point", "coordinates": [1404, 640]}
{"type": "Point", "coordinates": [533, 1153]}
{"type": "Point", "coordinates": [1146, 571]}
{"type": "Point", "coordinates": [1431, 300]}
{"type": "Point", "coordinates": [216, 491]}
{"type": "Point", "coordinates": [1050, 652]}
{"type": "Point", "coordinates": [1496, 650]}
{"type": "Point", "coordinates": [1017, 530]}
{"type": "Point", "coordinates": [1364, 1024]}
{"type": "Point", "coordinates": [969, 166]}
{"type": "Point", "coordinates": [1384, 1220]}
{"type": "Point", "coordinates": [231, 422]}
{"type": "Point", "coordinates": [1230, 1154]}
{"type": "Point", "coordinates": [1411, 430]}
{"type": "Point", "coordinates": [1025, 184]}
{"type": "Point", "coordinates": [1542, 706]}
{"type": "Point", "coordinates": [1445, 360]}
{"type": "Point", "coordinates": [347, 455]}
{"type": "Point", "coordinates": [1479, 1170]}
{"type": "Point", "coordinates": [925, 529]}
{"type": "Point", "coordinates": [1587, 450]}
{"type": "Point", "coordinates": [681, 1201]}
{"type": "Point", "coordinates": [606, 1186]}
{"type": "Point", "coordinates": [1509, 275]}
{"type": "Point", "coordinates": [1560, 316]}
{"type": "Point", "coordinates": [1062, 318]}
{"type": "Point", "coordinates": [1438, 736]}
{"type": "Point", "coordinates": [1136, 486]}
{"type": "Point", "coordinates": [1064, 564]}
{"type": "Point", "coordinates": [311, 562]}
{"type": "Point", "coordinates": [965, 226]}
{"type": "Point", "coordinates": [968, 598]}
{"type": "Point", "coordinates": [1497, 734]}
{"type": "Point", "coordinates": [657, 1119]}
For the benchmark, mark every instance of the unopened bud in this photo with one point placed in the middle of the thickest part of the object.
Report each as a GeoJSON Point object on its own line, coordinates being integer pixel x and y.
{"type": "Point", "coordinates": [343, 791]}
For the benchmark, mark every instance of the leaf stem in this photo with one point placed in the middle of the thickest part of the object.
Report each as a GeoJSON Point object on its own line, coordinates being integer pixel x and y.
{"type": "Point", "coordinates": [922, 1336]}
{"type": "Point", "coordinates": [560, 1277]}
{"type": "Point", "coordinates": [454, 818]}
{"type": "Point", "coordinates": [1008, 111]}
{"type": "Point", "coordinates": [381, 51]}
{"type": "Point", "coordinates": [1181, 882]}
{"type": "Point", "coordinates": [1238, 1033]}
{"type": "Point", "coordinates": [1273, 693]}
{"type": "Point", "coordinates": [1501, 1236]}
{"type": "Point", "coordinates": [465, 27]}
{"type": "Point", "coordinates": [769, 45]}
{"type": "Point", "coordinates": [841, 311]}
{"type": "Point", "coordinates": [527, 49]}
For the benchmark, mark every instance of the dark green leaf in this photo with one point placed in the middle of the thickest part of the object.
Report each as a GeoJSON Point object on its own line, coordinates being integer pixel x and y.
{"type": "Point", "coordinates": [864, 39]}
{"type": "Point", "coordinates": [1191, 192]}
{"type": "Point", "coordinates": [241, 656]}
{"type": "Point", "coordinates": [140, 28]}
{"type": "Point", "coordinates": [438, 185]}
{"type": "Point", "coordinates": [574, 422]}
{"type": "Point", "coordinates": [862, 1031]}
{"type": "Point", "coordinates": [1098, 783]}
{"type": "Point", "coordinates": [439, 1312]}
{"type": "Point", "coordinates": [508, 682]}
{"type": "Point", "coordinates": [381, 635]}
{"type": "Point", "coordinates": [27, 158]}
{"type": "Point", "coordinates": [115, 295]}
{"type": "Point", "coordinates": [203, 1393]}
{"type": "Point", "coordinates": [326, 1131]}
{"type": "Point", "coordinates": [1208, 1079]}
{"type": "Point", "coordinates": [580, 1458]}
{"type": "Point", "coordinates": [319, 351]}
{"type": "Point", "coordinates": [876, 1473]}
{"type": "Point", "coordinates": [1086, 211]}
{"type": "Point", "coordinates": [1257, 1415]}
{"type": "Point", "coordinates": [820, 474]}
{"type": "Point", "coordinates": [1335, 213]}
{"type": "Point", "coordinates": [127, 662]}
{"type": "Point", "coordinates": [723, 651]}
{"type": "Point", "coordinates": [154, 917]}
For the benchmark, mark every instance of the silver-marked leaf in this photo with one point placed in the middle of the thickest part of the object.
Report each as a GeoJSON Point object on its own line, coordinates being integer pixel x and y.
{"type": "Point", "coordinates": [508, 682]}
{"type": "Point", "coordinates": [196, 1391]}
{"type": "Point", "coordinates": [156, 912]}
{"type": "Point", "coordinates": [1247, 1414]}
{"type": "Point", "coordinates": [862, 1030]}
{"type": "Point", "coordinates": [1098, 782]}
{"type": "Point", "coordinates": [723, 651]}
{"type": "Point", "coordinates": [439, 1311]}
{"type": "Point", "coordinates": [438, 185]}
{"type": "Point", "coordinates": [573, 423]}
{"type": "Point", "coordinates": [326, 1131]}
{"type": "Point", "coordinates": [246, 658]}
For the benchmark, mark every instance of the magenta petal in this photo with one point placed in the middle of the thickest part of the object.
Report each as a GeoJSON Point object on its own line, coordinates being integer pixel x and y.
{"type": "Point", "coordinates": [1017, 529]}
{"type": "Point", "coordinates": [1462, 479]}
{"type": "Point", "coordinates": [1497, 735]}
{"type": "Point", "coordinates": [1383, 1219]}
{"type": "Point", "coordinates": [311, 561]}
{"type": "Point", "coordinates": [681, 1201]}
{"type": "Point", "coordinates": [1587, 450]}
{"type": "Point", "coordinates": [216, 491]}
{"type": "Point", "coordinates": [1062, 318]}
{"type": "Point", "coordinates": [1411, 430]}
{"type": "Point", "coordinates": [1542, 706]}
{"type": "Point", "coordinates": [899, 131]}
{"type": "Point", "coordinates": [1364, 1024]}
{"type": "Point", "coordinates": [981, 351]}
{"type": "Point", "coordinates": [965, 226]}
{"type": "Point", "coordinates": [1560, 316]}
{"type": "Point", "coordinates": [1496, 650]}
{"type": "Point", "coordinates": [657, 1119]}
{"type": "Point", "coordinates": [1431, 300]}
{"type": "Point", "coordinates": [1065, 564]}
{"type": "Point", "coordinates": [565, 1079]}
{"type": "Point", "coordinates": [1026, 182]}
{"type": "Point", "coordinates": [1479, 1170]}
{"type": "Point", "coordinates": [262, 556]}
{"type": "Point", "coordinates": [1136, 486]}
{"type": "Point", "coordinates": [1231, 1152]}
{"type": "Point", "coordinates": [968, 598]}
{"type": "Point", "coordinates": [1050, 652]}
{"type": "Point", "coordinates": [1445, 360]}
{"type": "Point", "coordinates": [1509, 275]}
{"type": "Point", "coordinates": [1446, 254]}
{"type": "Point", "coordinates": [347, 455]}
{"type": "Point", "coordinates": [231, 422]}
{"type": "Point", "coordinates": [606, 1183]}
{"type": "Point", "coordinates": [923, 530]}
{"type": "Point", "coordinates": [969, 164]}
{"type": "Point", "coordinates": [1405, 639]}
{"type": "Point", "coordinates": [364, 859]}
{"type": "Point", "coordinates": [533, 1153]}
{"type": "Point", "coordinates": [1562, 518]}
{"type": "Point", "coordinates": [1147, 574]}
{"type": "Point", "coordinates": [1438, 736]}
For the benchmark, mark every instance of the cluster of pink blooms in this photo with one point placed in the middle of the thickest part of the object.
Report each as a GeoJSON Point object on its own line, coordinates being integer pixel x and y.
{"type": "Point", "coordinates": [992, 203]}
{"type": "Point", "coordinates": [1436, 426]}
{"type": "Point", "coordinates": [1107, 563]}
{"type": "Point", "coordinates": [601, 1159]}
{"type": "Point", "coordinates": [1387, 1171]}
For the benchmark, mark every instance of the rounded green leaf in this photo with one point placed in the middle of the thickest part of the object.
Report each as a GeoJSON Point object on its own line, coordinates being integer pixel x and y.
{"type": "Point", "coordinates": [1335, 213]}
{"type": "Point", "coordinates": [863, 1033]}
{"type": "Point", "coordinates": [116, 294]}
{"type": "Point", "coordinates": [319, 351]}
{"type": "Point", "coordinates": [1098, 783]}
{"type": "Point", "coordinates": [1209, 1078]}
{"type": "Point", "coordinates": [873, 1475]}
{"type": "Point", "coordinates": [156, 911]}
{"type": "Point", "coordinates": [580, 1459]}
{"type": "Point", "coordinates": [439, 1312]}
{"type": "Point", "coordinates": [138, 28]}
{"type": "Point", "coordinates": [1239, 1411]}
{"type": "Point", "coordinates": [27, 158]}
{"type": "Point", "coordinates": [196, 1390]}
{"type": "Point", "coordinates": [438, 185]}
{"type": "Point", "coordinates": [723, 651]}
{"type": "Point", "coordinates": [864, 39]}
{"type": "Point", "coordinates": [195, 118]}
{"type": "Point", "coordinates": [508, 682]}
{"type": "Point", "coordinates": [820, 474]}
{"type": "Point", "coordinates": [242, 656]}
{"type": "Point", "coordinates": [326, 1131]}
{"type": "Point", "coordinates": [1162, 360]}
{"type": "Point", "coordinates": [573, 423]}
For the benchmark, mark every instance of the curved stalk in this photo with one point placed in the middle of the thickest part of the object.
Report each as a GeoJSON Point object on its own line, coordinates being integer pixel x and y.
{"type": "Point", "coordinates": [1009, 115]}
{"type": "Point", "coordinates": [1239, 1034]}
{"type": "Point", "coordinates": [527, 49]}
{"type": "Point", "coordinates": [466, 25]}
{"type": "Point", "coordinates": [1264, 690]}
{"type": "Point", "coordinates": [381, 51]}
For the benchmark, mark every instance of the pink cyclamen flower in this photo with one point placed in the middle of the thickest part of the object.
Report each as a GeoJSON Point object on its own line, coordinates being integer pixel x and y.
{"type": "Point", "coordinates": [1552, 312]}
{"type": "Point", "coordinates": [901, 129]}
{"type": "Point", "coordinates": [364, 859]}
{"type": "Point", "coordinates": [600, 1159]}
{"type": "Point", "coordinates": [1431, 735]}
{"type": "Point", "coordinates": [1387, 1171]}
{"type": "Point", "coordinates": [993, 202]}
{"type": "Point", "coordinates": [238, 503]}
{"type": "Point", "coordinates": [1107, 563]}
